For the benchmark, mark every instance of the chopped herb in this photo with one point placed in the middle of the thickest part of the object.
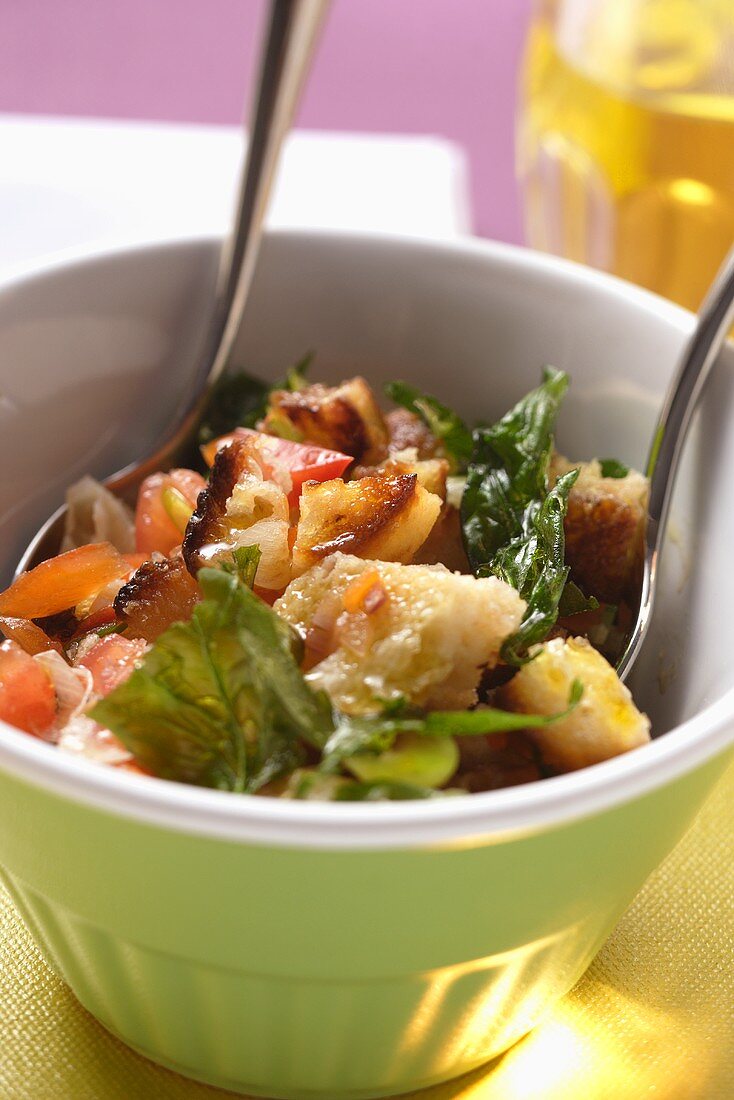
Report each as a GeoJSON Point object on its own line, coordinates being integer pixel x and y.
{"type": "Point", "coordinates": [296, 378]}
{"type": "Point", "coordinates": [112, 628]}
{"type": "Point", "coordinates": [376, 733]}
{"type": "Point", "coordinates": [574, 602]}
{"type": "Point", "coordinates": [246, 561]}
{"type": "Point", "coordinates": [512, 522]}
{"type": "Point", "coordinates": [611, 467]}
{"type": "Point", "coordinates": [443, 422]}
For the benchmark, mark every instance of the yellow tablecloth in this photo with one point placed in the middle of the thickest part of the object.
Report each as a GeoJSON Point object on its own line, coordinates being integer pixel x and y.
{"type": "Point", "coordinates": [653, 1017]}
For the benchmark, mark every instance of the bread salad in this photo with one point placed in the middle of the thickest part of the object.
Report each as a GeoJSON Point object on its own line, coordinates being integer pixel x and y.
{"type": "Point", "coordinates": [340, 603]}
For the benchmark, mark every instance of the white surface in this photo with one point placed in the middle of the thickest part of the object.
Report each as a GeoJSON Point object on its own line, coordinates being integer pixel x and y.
{"type": "Point", "coordinates": [471, 320]}
{"type": "Point", "coordinates": [73, 182]}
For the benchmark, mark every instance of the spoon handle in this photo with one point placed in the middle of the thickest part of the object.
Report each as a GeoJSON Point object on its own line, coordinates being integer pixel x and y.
{"type": "Point", "coordinates": [290, 39]}
{"type": "Point", "coordinates": [715, 318]}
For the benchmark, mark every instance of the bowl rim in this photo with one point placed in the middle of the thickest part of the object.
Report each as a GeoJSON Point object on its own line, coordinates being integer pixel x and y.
{"type": "Point", "coordinates": [478, 819]}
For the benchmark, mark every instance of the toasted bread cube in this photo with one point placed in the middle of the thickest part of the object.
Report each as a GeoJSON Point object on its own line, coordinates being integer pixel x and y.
{"type": "Point", "coordinates": [157, 595]}
{"type": "Point", "coordinates": [240, 507]}
{"type": "Point", "coordinates": [431, 638]}
{"type": "Point", "coordinates": [408, 430]}
{"type": "Point", "coordinates": [604, 527]}
{"type": "Point", "coordinates": [343, 418]}
{"type": "Point", "coordinates": [432, 473]}
{"type": "Point", "coordinates": [604, 724]}
{"type": "Point", "coordinates": [387, 517]}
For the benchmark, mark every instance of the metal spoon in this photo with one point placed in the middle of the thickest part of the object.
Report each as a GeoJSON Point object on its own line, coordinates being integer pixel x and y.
{"type": "Point", "coordinates": [715, 318]}
{"type": "Point", "coordinates": [289, 44]}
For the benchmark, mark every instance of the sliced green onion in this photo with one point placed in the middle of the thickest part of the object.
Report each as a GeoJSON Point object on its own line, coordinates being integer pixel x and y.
{"type": "Point", "coordinates": [177, 507]}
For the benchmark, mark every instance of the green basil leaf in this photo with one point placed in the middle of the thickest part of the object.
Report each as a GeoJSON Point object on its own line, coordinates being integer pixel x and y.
{"type": "Point", "coordinates": [236, 401]}
{"type": "Point", "coordinates": [240, 400]}
{"type": "Point", "coordinates": [219, 701]}
{"type": "Point", "coordinates": [376, 733]}
{"type": "Point", "coordinates": [512, 523]}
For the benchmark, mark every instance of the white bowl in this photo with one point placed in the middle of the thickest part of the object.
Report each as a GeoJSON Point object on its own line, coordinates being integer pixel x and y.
{"type": "Point", "coordinates": [96, 353]}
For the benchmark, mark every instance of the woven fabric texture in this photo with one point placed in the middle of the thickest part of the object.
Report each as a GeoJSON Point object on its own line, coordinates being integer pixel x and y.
{"type": "Point", "coordinates": [654, 1015]}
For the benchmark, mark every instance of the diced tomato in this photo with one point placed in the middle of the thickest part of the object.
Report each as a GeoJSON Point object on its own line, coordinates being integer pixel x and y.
{"type": "Point", "coordinates": [131, 766]}
{"type": "Point", "coordinates": [165, 504]}
{"type": "Point", "coordinates": [303, 461]}
{"type": "Point", "coordinates": [209, 450]}
{"type": "Point", "coordinates": [135, 560]}
{"type": "Point", "coordinates": [63, 582]}
{"type": "Point", "coordinates": [111, 660]}
{"type": "Point", "coordinates": [27, 696]}
{"type": "Point", "coordinates": [28, 635]}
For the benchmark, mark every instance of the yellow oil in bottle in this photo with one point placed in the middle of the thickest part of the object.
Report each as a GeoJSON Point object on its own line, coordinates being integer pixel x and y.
{"type": "Point", "coordinates": [626, 139]}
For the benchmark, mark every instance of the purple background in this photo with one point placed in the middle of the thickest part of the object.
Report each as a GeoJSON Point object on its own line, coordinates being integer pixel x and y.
{"type": "Point", "coordinates": [444, 67]}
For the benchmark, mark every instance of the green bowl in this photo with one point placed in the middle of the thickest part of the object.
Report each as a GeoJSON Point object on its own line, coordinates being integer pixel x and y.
{"type": "Point", "coordinates": [307, 950]}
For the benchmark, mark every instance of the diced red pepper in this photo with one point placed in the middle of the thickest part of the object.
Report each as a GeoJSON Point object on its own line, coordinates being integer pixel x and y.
{"type": "Point", "coordinates": [111, 660]}
{"type": "Point", "coordinates": [165, 503]}
{"type": "Point", "coordinates": [98, 619]}
{"type": "Point", "coordinates": [27, 696]}
{"type": "Point", "coordinates": [303, 461]}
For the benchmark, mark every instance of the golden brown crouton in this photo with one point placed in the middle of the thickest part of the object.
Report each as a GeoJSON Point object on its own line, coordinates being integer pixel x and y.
{"type": "Point", "coordinates": [241, 508]}
{"type": "Point", "coordinates": [604, 526]}
{"type": "Point", "coordinates": [604, 724]}
{"type": "Point", "coordinates": [386, 517]}
{"type": "Point", "coordinates": [431, 635]}
{"type": "Point", "coordinates": [408, 430]}
{"type": "Point", "coordinates": [432, 473]}
{"type": "Point", "coordinates": [343, 418]}
{"type": "Point", "coordinates": [157, 595]}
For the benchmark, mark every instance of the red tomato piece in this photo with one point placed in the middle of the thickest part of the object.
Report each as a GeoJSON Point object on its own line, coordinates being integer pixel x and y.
{"type": "Point", "coordinates": [63, 582]}
{"type": "Point", "coordinates": [111, 660]}
{"type": "Point", "coordinates": [135, 560]}
{"type": "Point", "coordinates": [303, 461]}
{"type": "Point", "coordinates": [27, 696]}
{"type": "Point", "coordinates": [165, 503]}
